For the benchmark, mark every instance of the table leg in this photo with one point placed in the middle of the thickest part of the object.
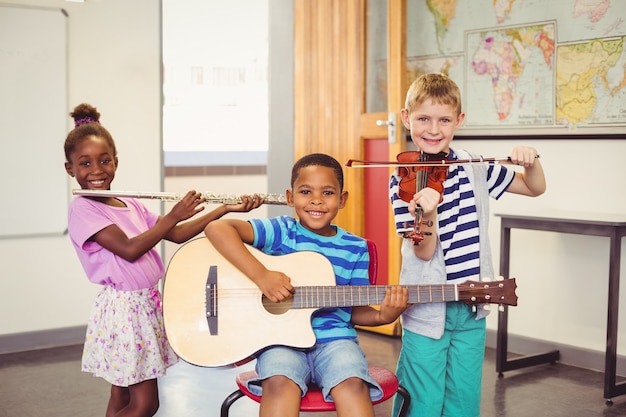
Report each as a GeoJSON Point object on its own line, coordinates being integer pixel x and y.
{"type": "Point", "coordinates": [502, 361]}
{"type": "Point", "coordinates": [611, 389]}
{"type": "Point", "coordinates": [502, 338]}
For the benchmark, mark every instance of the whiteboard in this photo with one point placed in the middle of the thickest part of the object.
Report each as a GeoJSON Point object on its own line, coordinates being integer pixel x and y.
{"type": "Point", "coordinates": [33, 121]}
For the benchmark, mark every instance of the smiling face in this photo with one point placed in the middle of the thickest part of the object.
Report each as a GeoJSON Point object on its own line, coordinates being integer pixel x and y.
{"type": "Point", "coordinates": [92, 163]}
{"type": "Point", "coordinates": [317, 197]}
{"type": "Point", "coordinates": [432, 125]}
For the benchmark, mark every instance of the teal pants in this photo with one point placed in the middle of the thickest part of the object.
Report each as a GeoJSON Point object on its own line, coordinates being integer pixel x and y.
{"type": "Point", "coordinates": [444, 376]}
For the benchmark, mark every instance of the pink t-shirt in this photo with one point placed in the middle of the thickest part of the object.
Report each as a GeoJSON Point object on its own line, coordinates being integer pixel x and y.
{"type": "Point", "coordinates": [87, 217]}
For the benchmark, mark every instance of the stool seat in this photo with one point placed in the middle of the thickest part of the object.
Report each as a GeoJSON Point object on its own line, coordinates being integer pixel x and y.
{"type": "Point", "coordinates": [314, 401]}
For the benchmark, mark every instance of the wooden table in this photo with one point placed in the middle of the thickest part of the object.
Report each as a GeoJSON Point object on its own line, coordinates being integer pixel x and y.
{"type": "Point", "coordinates": [612, 226]}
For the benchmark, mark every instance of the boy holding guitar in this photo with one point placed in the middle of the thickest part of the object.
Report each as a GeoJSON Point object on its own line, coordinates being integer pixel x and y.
{"type": "Point", "coordinates": [336, 362]}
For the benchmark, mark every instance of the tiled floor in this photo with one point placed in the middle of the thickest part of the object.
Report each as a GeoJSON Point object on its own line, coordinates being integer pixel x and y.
{"type": "Point", "coordinates": [49, 383]}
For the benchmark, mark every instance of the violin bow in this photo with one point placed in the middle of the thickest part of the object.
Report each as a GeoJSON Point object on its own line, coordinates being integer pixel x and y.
{"type": "Point", "coordinates": [361, 163]}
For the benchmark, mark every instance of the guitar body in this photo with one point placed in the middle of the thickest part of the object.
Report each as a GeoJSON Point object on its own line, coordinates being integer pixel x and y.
{"type": "Point", "coordinates": [244, 324]}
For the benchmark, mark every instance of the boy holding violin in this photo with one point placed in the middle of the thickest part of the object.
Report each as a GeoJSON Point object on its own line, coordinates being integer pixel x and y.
{"type": "Point", "coordinates": [444, 222]}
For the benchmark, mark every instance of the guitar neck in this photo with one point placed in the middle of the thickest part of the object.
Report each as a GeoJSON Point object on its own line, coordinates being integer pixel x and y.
{"type": "Point", "coordinates": [344, 296]}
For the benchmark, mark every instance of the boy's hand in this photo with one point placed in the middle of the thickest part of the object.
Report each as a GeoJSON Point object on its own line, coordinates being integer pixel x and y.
{"type": "Point", "coordinates": [395, 302]}
{"type": "Point", "coordinates": [427, 198]}
{"type": "Point", "coordinates": [531, 181]}
{"type": "Point", "coordinates": [276, 286]}
{"type": "Point", "coordinates": [523, 156]}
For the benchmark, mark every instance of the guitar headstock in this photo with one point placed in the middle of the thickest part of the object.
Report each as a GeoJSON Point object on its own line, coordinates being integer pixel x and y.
{"type": "Point", "coordinates": [488, 292]}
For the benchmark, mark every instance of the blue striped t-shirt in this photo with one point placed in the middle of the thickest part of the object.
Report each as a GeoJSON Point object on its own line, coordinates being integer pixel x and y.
{"type": "Point", "coordinates": [346, 252]}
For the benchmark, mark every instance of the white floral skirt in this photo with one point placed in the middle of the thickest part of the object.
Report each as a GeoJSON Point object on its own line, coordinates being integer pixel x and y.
{"type": "Point", "coordinates": [126, 342]}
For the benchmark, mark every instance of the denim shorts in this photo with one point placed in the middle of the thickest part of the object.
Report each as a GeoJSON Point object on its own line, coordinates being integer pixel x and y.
{"type": "Point", "coordinates": [326, 365]}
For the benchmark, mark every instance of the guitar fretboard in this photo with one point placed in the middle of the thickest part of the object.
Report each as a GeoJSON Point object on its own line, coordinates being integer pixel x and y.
{"type": "Point", "coordinates": [343, 296]}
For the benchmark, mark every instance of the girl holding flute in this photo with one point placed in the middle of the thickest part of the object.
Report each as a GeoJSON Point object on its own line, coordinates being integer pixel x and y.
{"type": "Point", "coordinates": [115, 240]}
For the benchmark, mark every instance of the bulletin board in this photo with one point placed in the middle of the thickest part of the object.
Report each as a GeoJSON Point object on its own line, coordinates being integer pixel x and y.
{"type": "Point", "coordinates": [33, 126]}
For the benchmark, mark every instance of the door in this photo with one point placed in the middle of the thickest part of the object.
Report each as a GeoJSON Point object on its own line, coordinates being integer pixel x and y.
{"type": "Point", "coordinates": [384, 97]}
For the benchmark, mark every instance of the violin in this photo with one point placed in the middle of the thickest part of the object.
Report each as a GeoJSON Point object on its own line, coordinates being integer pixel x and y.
{"type": "Point", "coordinates": [419, 170]}
{"type": "Point", "coordinates": [414, 178]}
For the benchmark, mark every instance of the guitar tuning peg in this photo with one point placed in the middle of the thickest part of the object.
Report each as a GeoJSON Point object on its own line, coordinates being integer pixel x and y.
{"type": "Point", "coordinates": [500, 308]}
{"type": "Point", "coordinates": [499, 278]}
{"type": "Point", "coordinates": [487, 307]}
{"type": "Point", "coordinates": [473, 309]}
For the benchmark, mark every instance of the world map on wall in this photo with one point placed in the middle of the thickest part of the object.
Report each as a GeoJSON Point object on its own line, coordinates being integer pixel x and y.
{"type": "Point", "coordinates": [525, 63]}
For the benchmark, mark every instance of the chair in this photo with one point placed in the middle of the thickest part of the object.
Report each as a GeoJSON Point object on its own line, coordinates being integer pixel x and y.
{"type": "Point", "coordinates": [313, 401]}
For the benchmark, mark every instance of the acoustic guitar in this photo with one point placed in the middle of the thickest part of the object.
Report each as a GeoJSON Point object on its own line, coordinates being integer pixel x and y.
{"type": "Point", "coordinates": [215, 316]}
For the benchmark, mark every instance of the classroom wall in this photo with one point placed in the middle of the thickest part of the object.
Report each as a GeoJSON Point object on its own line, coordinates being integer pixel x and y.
{"type": "Point", "coordinates": [114, 63]}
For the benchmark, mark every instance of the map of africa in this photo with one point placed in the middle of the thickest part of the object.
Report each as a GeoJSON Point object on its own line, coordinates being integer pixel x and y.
{"type": "Point", "coordinates": [531, 63]}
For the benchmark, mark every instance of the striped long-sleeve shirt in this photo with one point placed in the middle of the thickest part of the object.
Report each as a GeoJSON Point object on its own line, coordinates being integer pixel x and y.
{"type": "Point", "coordinates": [457, 217]}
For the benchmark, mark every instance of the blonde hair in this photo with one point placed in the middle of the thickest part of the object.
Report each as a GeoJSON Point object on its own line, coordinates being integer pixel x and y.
{"type": "Point", "coordinates": [437, 87]}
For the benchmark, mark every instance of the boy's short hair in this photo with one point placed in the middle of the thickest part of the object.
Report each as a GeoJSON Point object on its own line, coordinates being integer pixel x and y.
{"type": "Point", "coordinates": [317, 159]}
{"type": "Point", "coordinates": [438, 87]}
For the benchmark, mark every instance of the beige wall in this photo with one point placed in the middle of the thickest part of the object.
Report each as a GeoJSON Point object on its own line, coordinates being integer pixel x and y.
{"type": "Point", "coordinates": [114, 63]}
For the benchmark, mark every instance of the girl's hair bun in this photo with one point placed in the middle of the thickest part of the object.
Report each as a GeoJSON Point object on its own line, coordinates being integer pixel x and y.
{"type": "Point", "coordinates": [85, 113]}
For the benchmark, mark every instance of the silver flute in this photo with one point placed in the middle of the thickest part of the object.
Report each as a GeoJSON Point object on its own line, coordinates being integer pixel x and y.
{"type": "Point", "coordinates": [277, 199]}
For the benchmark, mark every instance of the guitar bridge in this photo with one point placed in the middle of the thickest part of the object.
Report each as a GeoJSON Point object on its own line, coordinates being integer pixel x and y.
{"type": "Point", "coordinates": [211, 300]}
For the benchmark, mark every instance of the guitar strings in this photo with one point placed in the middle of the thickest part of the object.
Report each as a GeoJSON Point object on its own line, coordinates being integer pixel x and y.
{"type": "Point", "coordinates": [417, 293]}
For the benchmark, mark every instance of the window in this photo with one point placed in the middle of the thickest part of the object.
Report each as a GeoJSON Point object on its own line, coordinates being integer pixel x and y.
{"type": "Point", "coordinates": [215, 86]}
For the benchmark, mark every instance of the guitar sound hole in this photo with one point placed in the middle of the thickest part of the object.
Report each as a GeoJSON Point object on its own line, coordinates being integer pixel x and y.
{"type": "Point", "coordinates": [277, 308]}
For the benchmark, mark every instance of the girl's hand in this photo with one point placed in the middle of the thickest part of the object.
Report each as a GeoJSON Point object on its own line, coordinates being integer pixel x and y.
{"type": "Point", "coordinates": [247, 204]}
{"type": "Point", "coordinates": [189, 206]}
